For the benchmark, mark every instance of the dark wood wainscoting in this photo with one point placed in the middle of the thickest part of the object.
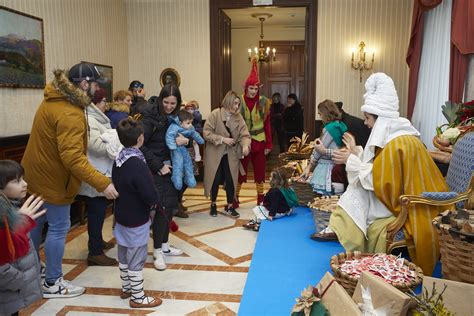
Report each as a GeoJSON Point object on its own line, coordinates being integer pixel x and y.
{"type": "Point", "coordinates": [13, 147]}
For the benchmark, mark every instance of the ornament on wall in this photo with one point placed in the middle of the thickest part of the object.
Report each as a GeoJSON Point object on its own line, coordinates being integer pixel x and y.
{"type": "Point", "coordinates": [170, 75]}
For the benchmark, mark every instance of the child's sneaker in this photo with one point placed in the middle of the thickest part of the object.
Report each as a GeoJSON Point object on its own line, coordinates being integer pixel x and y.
{"type": "Point", "coordinates": [250, 225]}
{"type": "Point", "coordinates": [232, 212]}
{"type": "Point", "coordinates": [61, 288]}
{"type": "Point", "coordinates": [256, 228]}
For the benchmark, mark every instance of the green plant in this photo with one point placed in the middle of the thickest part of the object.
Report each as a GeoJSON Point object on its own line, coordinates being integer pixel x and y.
{"type": "Point", "coordinates": [450, 111]}
{"type": "Point", "coordinates": [430, 305]}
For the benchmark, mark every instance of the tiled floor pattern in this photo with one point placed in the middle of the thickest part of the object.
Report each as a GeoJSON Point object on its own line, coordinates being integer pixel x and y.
{"type": "Point", "coordinates": [208, 279]}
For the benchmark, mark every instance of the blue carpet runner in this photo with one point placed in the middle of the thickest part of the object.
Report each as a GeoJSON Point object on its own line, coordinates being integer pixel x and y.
{"type": "Point", "coordinates": [285, 261]}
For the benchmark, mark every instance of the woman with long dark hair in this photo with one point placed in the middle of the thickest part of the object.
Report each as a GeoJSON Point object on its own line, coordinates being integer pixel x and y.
{"type": "Point", "coordinates": [155, 123]}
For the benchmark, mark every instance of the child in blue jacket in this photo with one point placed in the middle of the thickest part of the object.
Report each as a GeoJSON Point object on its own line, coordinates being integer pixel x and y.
{"type": "Point", "coordinates": [181, 161]}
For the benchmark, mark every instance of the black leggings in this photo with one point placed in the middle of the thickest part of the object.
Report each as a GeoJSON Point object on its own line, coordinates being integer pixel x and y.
{"type": "Point", "coordinates": [223, 176]}
{"type": "Point", "coordinates": [161, 226]}
{"type": "Point", "coordinates": [161, 223]}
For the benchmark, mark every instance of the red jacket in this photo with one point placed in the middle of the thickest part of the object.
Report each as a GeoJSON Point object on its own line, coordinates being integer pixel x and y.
{"type": "Point", "coordinates": [15, 243]}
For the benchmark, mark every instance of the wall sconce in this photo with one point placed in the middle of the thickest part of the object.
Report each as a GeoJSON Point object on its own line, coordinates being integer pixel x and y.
{"type": "Point", "coordinates": [361, 64]}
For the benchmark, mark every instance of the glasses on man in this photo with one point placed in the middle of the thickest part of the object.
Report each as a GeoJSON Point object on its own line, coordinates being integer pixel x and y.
{"type": "Point", "coordinates": [138, 86]}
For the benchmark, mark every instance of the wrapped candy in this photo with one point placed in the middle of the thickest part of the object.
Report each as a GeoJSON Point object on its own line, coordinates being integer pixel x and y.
{"type": "Point", "coordinates": [388, 267]}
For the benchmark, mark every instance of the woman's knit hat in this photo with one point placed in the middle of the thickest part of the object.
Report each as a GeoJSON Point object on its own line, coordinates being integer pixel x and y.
{"type": "Point", "coordinates": [380, 97]}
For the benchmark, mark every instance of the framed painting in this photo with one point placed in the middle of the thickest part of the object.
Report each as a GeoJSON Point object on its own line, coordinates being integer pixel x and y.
{"type": "Point", "coordinates": [170, 75]}
{"type": "Point", "coordinates": [21, 50]}
{"type": "Point", "coordinates": [107, 79]}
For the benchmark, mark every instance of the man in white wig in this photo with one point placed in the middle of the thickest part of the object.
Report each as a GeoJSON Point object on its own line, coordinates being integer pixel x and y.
{"type": "Point", "coordinates": [394, 162]}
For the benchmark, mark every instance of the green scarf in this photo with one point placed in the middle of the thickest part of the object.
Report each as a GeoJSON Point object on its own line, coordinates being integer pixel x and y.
{"type": "Point", "coordinates": [290, 196]}
{"type": "Point", "coordinates": [336, 129]}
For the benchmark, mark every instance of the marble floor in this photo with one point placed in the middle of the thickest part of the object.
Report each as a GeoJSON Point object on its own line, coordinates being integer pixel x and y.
{"type": "Point", "coordinates": [208, 279]}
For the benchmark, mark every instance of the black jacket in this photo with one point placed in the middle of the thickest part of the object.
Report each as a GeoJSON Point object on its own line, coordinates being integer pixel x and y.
{"type": "Point", "coordinates": [156, 153]}
{"type": "Point", "coordinates": [293, 121]}
{"type": "Point", "coordinates": [356, 127]}
{"type": "Point", "coordinates": [134, 183]}
{"type": "Point", "coordinates": [138, 105]}
{"type": "Point", "coordinates": [275, 202]}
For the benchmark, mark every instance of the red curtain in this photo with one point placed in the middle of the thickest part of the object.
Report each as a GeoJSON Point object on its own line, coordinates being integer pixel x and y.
{"type": "Point", "coordinates": [414, 48]}
{"type": "Point", "coordinates": [462, 44]}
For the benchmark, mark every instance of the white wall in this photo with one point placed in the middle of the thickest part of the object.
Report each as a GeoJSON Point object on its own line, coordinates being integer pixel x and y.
{"type": "Point", "coordinates": [74, 30]}
{"type": "Point", "coordinates": [140, 38]}
{"type": "Point", "coordinates": [242, 39]}
{"type": "Point", "coordinates": [342, 24]}
{"type": "Point", "coordinates": [174, 34]}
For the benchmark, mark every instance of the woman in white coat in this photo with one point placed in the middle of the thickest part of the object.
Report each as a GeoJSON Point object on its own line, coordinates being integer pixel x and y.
{"type": "Point", "coordinates": [102, 147]}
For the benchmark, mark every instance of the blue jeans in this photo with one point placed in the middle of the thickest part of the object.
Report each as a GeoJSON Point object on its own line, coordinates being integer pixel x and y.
{"type": "Point", "coordinates": [59, 222]}
{"type": "Point", "coordinates": [95, 208]}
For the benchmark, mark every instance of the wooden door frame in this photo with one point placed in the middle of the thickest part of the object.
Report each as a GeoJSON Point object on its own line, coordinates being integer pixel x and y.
{"type": "Point", "coordinates": [215, 6]}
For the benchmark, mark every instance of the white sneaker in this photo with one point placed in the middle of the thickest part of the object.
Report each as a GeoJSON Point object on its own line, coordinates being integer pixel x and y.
{"type": "Point", "coordinates": [62, 288]}
{"type": "Point", "coordinates": [197, 158]}
{"type": "Point", "coordinates": [159, 262]}
{"type": "Point", "coordinates": [172, 251]}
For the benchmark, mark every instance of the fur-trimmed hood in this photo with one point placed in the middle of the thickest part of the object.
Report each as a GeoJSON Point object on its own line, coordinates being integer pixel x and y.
{"type": "Point", "coordinates": [62, 88]}
{"type": "Point", "coordinates": [119, 107]}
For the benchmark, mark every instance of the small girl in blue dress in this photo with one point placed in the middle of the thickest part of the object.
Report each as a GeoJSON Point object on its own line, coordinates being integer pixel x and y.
{"type": "Point", "coordinates": [331, 139]}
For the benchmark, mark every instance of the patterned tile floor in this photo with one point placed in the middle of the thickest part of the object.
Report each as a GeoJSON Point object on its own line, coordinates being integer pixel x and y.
{"type": "Point", "coordinates": [208, 279]}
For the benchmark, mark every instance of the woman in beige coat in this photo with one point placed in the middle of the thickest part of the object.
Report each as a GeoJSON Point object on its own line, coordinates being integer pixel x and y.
{"type": "Point", "coordinates": [227, 141]}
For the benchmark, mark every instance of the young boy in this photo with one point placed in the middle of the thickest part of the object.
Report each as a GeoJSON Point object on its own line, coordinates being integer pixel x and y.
{"type": "Point", "coordinates": [181, 161]}
{"type": "Point", "coordinates": [138, 197]}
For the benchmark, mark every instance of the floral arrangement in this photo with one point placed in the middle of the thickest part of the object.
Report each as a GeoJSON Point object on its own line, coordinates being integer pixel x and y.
{"type": "Point", "coordinates": [457, 115]}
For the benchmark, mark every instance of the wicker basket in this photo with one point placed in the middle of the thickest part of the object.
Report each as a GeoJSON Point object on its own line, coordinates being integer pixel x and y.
{"type": "Point", "coordinates": [322, 208]}
{"type": "Point", "coordinates": [285, 157]}
{"type": "Point", "coordinates": [456, 250]}
{"type": "Point", "coordinates": [304, 192]}
{"type": "Point", "coordinates": [349, 282]}
{"type": "Point", "coordinates": [288, 170]}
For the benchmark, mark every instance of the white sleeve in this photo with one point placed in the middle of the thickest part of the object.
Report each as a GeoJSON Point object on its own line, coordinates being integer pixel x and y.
{"type": "Point", "coordinates": [358, 171]}
{"type": "Point", "coordinates": [112, 143]}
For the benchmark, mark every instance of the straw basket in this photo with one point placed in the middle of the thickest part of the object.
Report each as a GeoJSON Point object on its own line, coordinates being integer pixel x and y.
{"type": "Point", "coordinates": [304, 192]}
{"type": "Point", "coordinates": [349, 282]}
{"type": "Point", "coordinates": [456, 250]}
{"type": "Point", "coordinates": [285, 157]}
{"type": "Point", "coordinates": [322, 207]}
{"type": "Point", "coordinates": [288, 170]}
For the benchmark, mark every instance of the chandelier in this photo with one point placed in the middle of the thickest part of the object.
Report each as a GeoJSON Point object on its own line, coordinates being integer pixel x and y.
{"type": "Point", "coordinates": [262, 54]}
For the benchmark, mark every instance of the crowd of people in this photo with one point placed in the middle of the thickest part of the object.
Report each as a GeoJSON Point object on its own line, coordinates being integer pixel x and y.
{"type": "Point", "coordinates": [143, 154]}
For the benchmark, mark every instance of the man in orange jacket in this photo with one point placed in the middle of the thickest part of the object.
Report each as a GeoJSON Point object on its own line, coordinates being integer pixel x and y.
{"type": "Point", "coordinates": [55, 164]}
